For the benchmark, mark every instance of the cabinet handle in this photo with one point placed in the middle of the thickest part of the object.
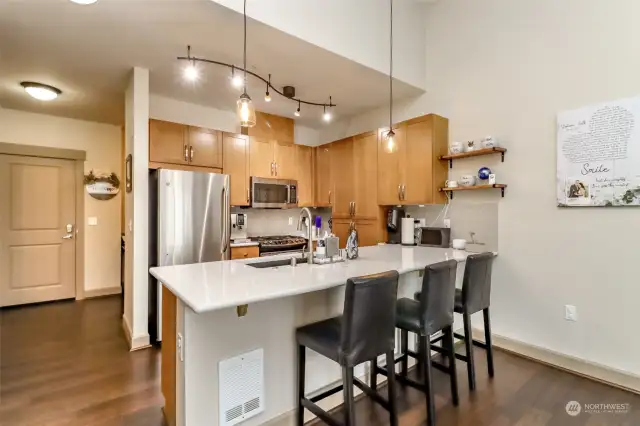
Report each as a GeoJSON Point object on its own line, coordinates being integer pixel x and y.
{"type": "Point", "coordinates": [248, 197]}
{"type": "Point", "coordinates": [329, 197]}
{"type": "Point", "coordinates": [272, 168]}
{"type": "Point", "coordinates": [354, 208]}
{"type": "Point", "coordinates": [191, 154]}
{"type": "Point", "coordinates": [403, 192]}
{"type": "Point", "coordinates": [276, 164]}
{"type": "Point", "coordinates": [246, 254]}
{"type": "Point", "coordinates": [400, 192]}
{"type": "Point", "coordinates": [186, 153]}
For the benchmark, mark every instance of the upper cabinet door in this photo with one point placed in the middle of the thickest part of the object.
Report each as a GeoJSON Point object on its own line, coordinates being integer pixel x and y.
{"type": "Point", "coordinates": [205, 147]}
{"type": "Point", "coordinates": [304, 162]}
{"type": "Point", "coordinates": [389, 176]}
{"type": "Point", "coordinates": [365, 171]}
{"type": "Point", "coordinates": [423, 173]}
{"type": "Point", "coordinates": [284, 155]}
{"type": "Point", "coordinates": [261, 158]}
{"type": "Point", "coordinates": [323, 178]}
{"type": "Point", "coordinates": [342, 174]}
{"type": "Point", "coordinates": [167, 142]}
{"type": "Point", "coordinates": [273, 127]}
{"type": "Point", "coordinates": [236, 165]}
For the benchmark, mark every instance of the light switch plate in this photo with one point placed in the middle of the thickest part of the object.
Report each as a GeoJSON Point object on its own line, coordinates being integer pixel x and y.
{"type": "Point", "coordinates": [92, 221]}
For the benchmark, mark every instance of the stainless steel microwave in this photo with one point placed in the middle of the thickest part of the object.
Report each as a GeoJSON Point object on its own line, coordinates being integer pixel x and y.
{"type": "Point", "coordinates": [273, 193]}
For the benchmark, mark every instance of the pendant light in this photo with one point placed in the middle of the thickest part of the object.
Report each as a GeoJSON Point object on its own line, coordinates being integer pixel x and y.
{"type": "Point", "coordinates": [246, 111]}
{"type": "Point", "coordinates": [390, 145]}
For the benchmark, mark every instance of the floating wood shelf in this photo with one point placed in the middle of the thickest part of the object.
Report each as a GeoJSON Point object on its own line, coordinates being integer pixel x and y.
{"type": "Point", "coordinates": [476, 153]}
{"type": "Point", "coordinates": [472, 188]}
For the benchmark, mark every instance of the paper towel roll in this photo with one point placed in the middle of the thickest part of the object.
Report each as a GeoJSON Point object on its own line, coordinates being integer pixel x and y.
{"type": "Point", "coordinates": [408, 231]}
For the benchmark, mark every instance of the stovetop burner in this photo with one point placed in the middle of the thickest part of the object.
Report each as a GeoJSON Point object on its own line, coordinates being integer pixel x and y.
{"type": "Point", "coordinates": [280, 240]}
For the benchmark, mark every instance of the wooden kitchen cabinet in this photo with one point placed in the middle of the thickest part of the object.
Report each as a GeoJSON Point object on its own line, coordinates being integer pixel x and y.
{"type": "Point", "coordinates": [305, 174]}
{"type": "Point", "coordinates": [369, 231]}
{"type": "Point", "coordinates": [284, 159]}
{"type": "Point", "coordinates": [261, 157]}
{"type": "Point", "coordinates": [323, 178]}
{"type": "Point", "coordinates": [168, 142]}
{"type": "Point", "coordinates": [365, 175]}
{"type": "Point", "coordinates": [272, 159]}
{"type": "Point", "coordinates": [413, 174]}
{"type": "Point", "coordinates": [274, 127]}
{"type": "Point", "coordinates": [245, 252]}
{"type": "Point", "coordinates": [342, 160]}
{"type": "Point", "coordinates": [236, 165]}
{"type": "Point", "coordinates": [205, 147]}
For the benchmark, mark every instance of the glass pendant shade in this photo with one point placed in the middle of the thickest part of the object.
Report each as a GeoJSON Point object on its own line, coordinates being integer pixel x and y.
{"type": "Point", "coordinates": [390, 143]}
{"type": "Point", "coordinates": [246, 111]}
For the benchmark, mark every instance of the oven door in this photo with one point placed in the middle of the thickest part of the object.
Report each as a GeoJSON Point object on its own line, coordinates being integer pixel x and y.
{"type": "Point", "coordinates": [272, 193]}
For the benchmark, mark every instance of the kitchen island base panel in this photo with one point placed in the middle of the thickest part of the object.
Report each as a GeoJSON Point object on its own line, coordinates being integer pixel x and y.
{"type": "Point", "coordinates": [213, 336]}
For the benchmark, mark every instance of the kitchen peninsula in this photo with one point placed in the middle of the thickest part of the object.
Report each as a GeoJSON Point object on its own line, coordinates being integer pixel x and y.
{"type": "Point", "coordinates": [202, 386]}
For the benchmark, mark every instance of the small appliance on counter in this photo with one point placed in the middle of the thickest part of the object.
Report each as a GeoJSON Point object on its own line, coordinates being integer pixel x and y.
{"type": "Point", "coordinates": [408, 235]}
{"type": "Point", "coordinates": [435, 237]}
{"type": "Point", "coordinates": [394, 225]}
{"type": "Point", "coordinates": [239, 227]}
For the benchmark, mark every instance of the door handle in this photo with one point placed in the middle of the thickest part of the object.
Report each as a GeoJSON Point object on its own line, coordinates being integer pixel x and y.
{"type": "Point", "coordinates": [186, 153]}
{"type": "Point", "coordinates": [191, 154]}
{"type": "Point", "coordinates": [68, 237]}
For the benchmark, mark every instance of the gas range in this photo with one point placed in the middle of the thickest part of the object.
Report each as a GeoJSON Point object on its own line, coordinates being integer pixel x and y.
{"type": "Point", "coordinates": [280, 244]}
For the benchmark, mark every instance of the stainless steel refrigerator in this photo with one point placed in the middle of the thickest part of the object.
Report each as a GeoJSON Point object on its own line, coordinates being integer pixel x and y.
{"type": "Point", "coordinates": [189, 221]}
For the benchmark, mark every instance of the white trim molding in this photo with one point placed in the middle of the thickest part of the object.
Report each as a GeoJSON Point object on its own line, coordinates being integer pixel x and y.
{"type": "Point", "coordinates": [590, 370]}
{"type": "Point", "coordinates": [101, 292]}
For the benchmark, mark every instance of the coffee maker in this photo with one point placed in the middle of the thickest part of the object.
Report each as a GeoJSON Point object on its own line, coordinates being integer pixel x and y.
{"type": "Point", "coordinates": [394, 225]}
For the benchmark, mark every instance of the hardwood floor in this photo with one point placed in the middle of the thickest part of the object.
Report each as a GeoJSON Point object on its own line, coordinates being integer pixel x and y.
{"type": "Point", "coordinates": [68, 364]}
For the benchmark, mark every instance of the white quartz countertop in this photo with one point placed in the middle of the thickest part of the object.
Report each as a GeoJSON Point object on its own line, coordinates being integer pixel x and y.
{"type": "Point", "coordinates": [244, 244]}
{"type": "Point", "coordinates": [217, 285]}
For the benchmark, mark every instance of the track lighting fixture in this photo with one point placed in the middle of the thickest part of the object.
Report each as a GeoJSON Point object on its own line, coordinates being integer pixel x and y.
{"type": "Point", "coordinates": [267, 96]}
{"type": "Point", "coordinates": [297, 113]}
{"type": "Point", "coordinates": [246, 110]}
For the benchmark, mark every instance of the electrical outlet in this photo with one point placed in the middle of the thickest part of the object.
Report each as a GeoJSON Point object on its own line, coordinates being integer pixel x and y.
{"type": "Point", "coordinates": [570, 313]}
{"type": "Point", "coordinates": [290, 220]}
{"type": "Point", "coordinates": [92, 221]}
{"type": "Point", "coordinates": [447, 223]}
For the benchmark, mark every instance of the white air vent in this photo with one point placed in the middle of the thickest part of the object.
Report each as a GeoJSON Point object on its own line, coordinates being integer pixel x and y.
{"type": "Point", "coordinates": [241, 387]}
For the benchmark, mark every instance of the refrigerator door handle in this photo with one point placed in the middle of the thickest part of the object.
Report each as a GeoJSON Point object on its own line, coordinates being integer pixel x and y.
{"type": "Point", "coordinates": [226, 220]}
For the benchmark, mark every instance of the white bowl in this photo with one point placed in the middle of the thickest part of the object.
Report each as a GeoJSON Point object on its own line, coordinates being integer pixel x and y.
{"type": "Point", "coordinates": [459, 244]}
{"type": "Point", "coordinates": [467, 180]}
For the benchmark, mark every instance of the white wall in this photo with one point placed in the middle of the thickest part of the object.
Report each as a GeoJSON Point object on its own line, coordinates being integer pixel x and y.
{"type": "Point", "coordinates": [506, 67]}
{"type": "Point", "coordinates": [102, 143]}
{"type": "Point", "coordinates": [137, 208]}
{"type": "Point", "coordinates": [167, 109]}
{"type": "Point", "coordinates": [355, 29]}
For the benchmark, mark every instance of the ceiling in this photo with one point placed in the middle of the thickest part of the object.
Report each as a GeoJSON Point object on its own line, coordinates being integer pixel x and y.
{"type": "Point", "coordinates": [88, 52]}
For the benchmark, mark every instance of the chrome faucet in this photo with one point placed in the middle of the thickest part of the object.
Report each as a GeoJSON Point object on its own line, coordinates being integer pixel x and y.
{"type": "Point", "coordinates": [309, 232]}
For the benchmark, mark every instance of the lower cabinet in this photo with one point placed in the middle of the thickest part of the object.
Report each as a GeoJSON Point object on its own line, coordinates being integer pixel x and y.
{"type": "Point", "coordinates": [245, 252]}
{"type": "Point", "coordinates": [369, 231]}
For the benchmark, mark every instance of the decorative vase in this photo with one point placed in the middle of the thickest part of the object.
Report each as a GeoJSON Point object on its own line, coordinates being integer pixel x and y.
{"type": "Point", "coordinates": [352, 245]}
{"type": "Point", "coordinates": [484, 173]}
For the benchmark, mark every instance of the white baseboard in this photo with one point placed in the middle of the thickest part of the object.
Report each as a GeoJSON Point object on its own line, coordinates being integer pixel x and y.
{"type": "Point", "coordinates": [138, 342]}
{"type": "Point", "coordinates": [100, 292]}
{"type": "Point", "coordinates": [594, 371]}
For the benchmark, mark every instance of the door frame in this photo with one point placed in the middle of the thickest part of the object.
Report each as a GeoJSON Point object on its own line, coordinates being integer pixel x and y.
{"type": "Point", "coordinates": [78, 157]}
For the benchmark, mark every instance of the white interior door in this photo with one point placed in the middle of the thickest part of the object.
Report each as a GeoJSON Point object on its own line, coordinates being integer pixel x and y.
{"type": "Point", "coordinates": [37, 229]}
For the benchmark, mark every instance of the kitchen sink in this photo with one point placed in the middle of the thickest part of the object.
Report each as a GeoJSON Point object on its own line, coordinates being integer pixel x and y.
{"type": "Point", "coordinates": [276, 263]}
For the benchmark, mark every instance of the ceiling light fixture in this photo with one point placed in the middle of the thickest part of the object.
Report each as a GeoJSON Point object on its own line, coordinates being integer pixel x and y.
{"type": "Point", "coordinates": [327, 114]}
{"type": "Point", "coordinates": [41, 92]}
{"type": "Point", "coordinates": [391, 146]}
{"type": "Point", "coordinates": [191, 72]}
{"type": "Point", "coordinates": [84, 1]}
{"type": "Point", "coordinates": [297, 113]}
{"type": "Point", "coordinates": [236, 80]}
{"type": "Point", "coordinates": [246, 109]}
{"type": "Point", "coordinates": [267, 97]}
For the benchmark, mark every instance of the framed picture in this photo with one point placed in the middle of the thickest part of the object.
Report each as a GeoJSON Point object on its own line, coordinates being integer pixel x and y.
{"type": "Point", "coordinates": [128, 173]}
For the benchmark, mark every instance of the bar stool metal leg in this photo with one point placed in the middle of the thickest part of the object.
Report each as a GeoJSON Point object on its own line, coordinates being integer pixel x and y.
{"type": "Point", "coordinates": [349, 412]}
{"type": "Point", "coordinates": [453, 374]}
{"type": "Point", "coordinates": [301, 373]}
{"type": "Point", "coordinates": [428, 383]}
{"type": "Point", "coordinates": [487, 339]}
{"type": "Point", "coordinates": [404, 347]}
{"type": "Point", "coordinates": [373, 375]}
{"type": "Point", "coordinates": [468, 343]}
{"type": "Point", "coordinates": [391, 386]}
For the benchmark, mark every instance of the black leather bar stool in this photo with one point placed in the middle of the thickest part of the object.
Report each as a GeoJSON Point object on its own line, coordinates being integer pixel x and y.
{"type": "Point", "coordinates": [431, 313]}
{"type": "Point", "coordinates": [475, 296]}
{"type": "Point", "coordinates": [364, 331]}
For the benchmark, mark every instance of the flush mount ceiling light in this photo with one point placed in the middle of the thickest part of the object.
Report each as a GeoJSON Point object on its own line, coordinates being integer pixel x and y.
{"type": "Point", "coordinates": [84, 1]}
{"type": "Point", "coordinates": [41, 92]}
{"type": "Point", "coordinates": [245, 107]}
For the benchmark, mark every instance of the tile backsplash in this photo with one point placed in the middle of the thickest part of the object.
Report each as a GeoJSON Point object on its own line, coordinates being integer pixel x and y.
{"type": "Point", "coordinates": [480, 218]}
{"type": "Point", "coordinates": [265, 222]}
